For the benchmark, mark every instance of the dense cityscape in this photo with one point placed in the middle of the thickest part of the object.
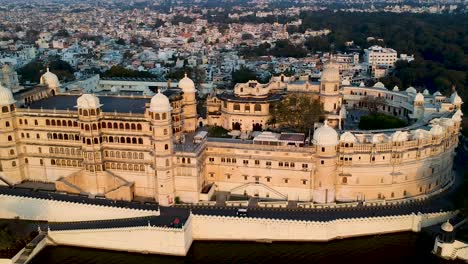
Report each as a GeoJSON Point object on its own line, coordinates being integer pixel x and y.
{"type": "Point", "coordinates": [149, 126]}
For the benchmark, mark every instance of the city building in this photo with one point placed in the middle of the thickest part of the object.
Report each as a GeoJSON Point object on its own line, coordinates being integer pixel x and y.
{"type": "Point", "coordinates": [122, 147]}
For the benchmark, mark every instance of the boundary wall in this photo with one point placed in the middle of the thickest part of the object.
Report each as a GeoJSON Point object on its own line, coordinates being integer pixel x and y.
{"type": "Point", "coordinates": [177, 241]}
{"type": "Point", "coordinates": [63, 211]}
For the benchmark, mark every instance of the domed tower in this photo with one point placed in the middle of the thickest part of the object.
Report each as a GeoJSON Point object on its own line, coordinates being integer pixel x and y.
{"type": "Point", "coordinates": [446, 233]}
{"type": "Point", "coordinates": [89, 113]}
{"type": "Point", "coordinates": [456, 100]}
{"type": "Point", "coordinates": [418, 106]}
{"type": "Point", "coordinates": [51, 80]}
{"type": "Point", "coordinates": [160, 113]}
{"type": "Point", "coordinates": [10, 167]}
{"type": "Point", "coordinates": [325, 140]}
{"type": "Point", "coordinates": [330, 96]}
{"type": "Point", "coordinates": [189, 104]}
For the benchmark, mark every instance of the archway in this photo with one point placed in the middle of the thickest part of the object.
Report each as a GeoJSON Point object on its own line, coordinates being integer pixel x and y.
{"type": "Point", "coordinates": [257, 127]}
{"type": "Point", "coordinates": [200, 124]}
{"type": "Point", "coordinates": [236, 126]}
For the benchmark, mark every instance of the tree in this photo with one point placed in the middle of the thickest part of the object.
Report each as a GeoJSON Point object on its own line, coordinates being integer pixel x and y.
{"type": "Point", "coordinates": [120, 41]}
{"type": "Point", "coordinates": [297, 112]}
{"type": "Point", "coordinates": [380, 121]}
{"type": "Point", "coordinates": [119, 71]}
{"type": "Point", "coordinates": [243, 75]}
{"type": "Point", "coordinates": [372, 103]}
{"type": "Point", "coordinates": [246, 36]}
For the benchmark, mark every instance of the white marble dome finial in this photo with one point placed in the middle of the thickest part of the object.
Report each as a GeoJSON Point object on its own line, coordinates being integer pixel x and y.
{"type": "Point", "coordinates": [6, 96]}
{"type": "Point", "coordinates": [88, 101]}
{"type": "Point", "coordinates": [160, 103]}
{"type": "Point", "coordinates": [187, 85]}
{"type": "Point", "coordinates": [325, 136]}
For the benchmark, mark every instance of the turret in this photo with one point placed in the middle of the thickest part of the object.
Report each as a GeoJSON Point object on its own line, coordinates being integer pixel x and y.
{"type": "Point", "coordinates": [330, 88]}
{"type": "Point", "coordinates": [51, 80]}
{"type": "Point", "coordinates": [160, 113]}
{"type": "Point", "coordinates": [189, 104]}
{"type": "Point", "coordinates": [10, 165]}
{"type": "Point", "coordinates": [89, 112]}
{"type": "Point", "coordinates": [325, 140]}
{"type": "Point", "coordinates": [418, 106]}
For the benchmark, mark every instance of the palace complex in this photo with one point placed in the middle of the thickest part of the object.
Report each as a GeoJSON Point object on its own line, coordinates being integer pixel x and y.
{"type": "Point", "coordinates": [121, 147]}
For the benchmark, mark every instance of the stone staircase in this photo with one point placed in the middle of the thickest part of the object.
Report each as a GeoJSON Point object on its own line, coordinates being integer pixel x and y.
{"type": "Point", "coordinates": [25, 256]}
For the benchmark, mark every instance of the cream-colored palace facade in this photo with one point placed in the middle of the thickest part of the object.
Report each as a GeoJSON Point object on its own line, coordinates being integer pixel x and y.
{"type": "Point", "coordinates": [121, 147]}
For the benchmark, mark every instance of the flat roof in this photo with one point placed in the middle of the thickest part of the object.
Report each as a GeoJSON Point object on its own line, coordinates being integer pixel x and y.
{"type": "Point", "coordinates": [109, 103]}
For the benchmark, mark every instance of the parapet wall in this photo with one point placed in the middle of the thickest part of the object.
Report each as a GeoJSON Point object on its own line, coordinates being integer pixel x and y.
{"type": "Point", "coordinates": [177, 241]}
{"type": "Point", "coordinates": [61, 211]}
{"type": "Point", "coordinates": [142, 239]}
{"type": "Point", "coordinates": [235, 228]}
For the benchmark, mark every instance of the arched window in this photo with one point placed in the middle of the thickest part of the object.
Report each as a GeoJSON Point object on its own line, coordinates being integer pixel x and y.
{"type": "Point", "coordinates": [122, 140]}
{"type": "Point", "coordinates": [96, 141]}
{"type": "Point", "coordinates": [344, 180]}
{"type": "Point", "coordinates": [5, 109]}
{"type": "Point", "coordinates": [92, 112]}
{"type": "Point", "coordinates": [157, 117]}
{"type": "Point", "coordinates": [13, 163]}
{"type": "Point", "coordinates": [165, 131]}
{"type": "Point", "coordinates": [142, 168]}
{"type": "Point", "coordinates": [85, 112]}
{"type": "Point", "coordinates": [7, 124]}
{"type": "Point", "coordinates": [138, 126]}
{"type": "Point", "coordinates": [70, 123]}
{"type": "Point", "coordinates": [236, 107]}
{"type": "Point", "coordinates": [164, 116]}
{"type": "Point", "coordinates": [60, 136]}
{"type": "Point", "coordinates": [47, 122]}
{"type": "Point", "coordinates": [129, 140]}
{"type": "Point", "coordinates": [140, 141]}
{"type": "Point", "coordinates": [116, 126]}
{"type": "Point", "coordinates": [111, 139]}
{"type": "Point", "coordinates": [52, 162]}
{"type": "Point", "coordinates": [166, 146]}
{"type": "Point", "coordinates": [121, 126]}
{"type": "Point", "coordinates": [87, 127]}
{"type": "Point", "coordinates": [65, 137]}
{"type": "Point", "coordinates": [258, 107]}
{"type": "Point", "coordinates": [21, 121]}
{"type": "Point", "coordinates": [94, 127]}
{"type": "Point", "coordinates": [26, 160]}
{"type": "Point", "coordinates": [88, 141]}
{"type": "Point", "coordinates": [133, 127]}
{"type": "Point", "coordinates": [134, 140]}
{"type": "Point", "coordinates": [12, 152]}
{"type": "Point", "coordinates": [167, 162]}
{"type": "Point", "coordinates": [10, 138]}
{"type": "Point", "coordinates": [127, 126]}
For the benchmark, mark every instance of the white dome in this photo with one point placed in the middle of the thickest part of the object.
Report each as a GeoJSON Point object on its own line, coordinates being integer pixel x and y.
{"type": "Point", "coordinates": [447, 227]}
{"type": "Point", "coordinates": [345, 82]}
{"type": "Point", "coordinates": [88, 101]}
{"type": "Point", "coordinates": [187, 85]}
{"type": "Point", "coordinates": [419, 97]}
{"type": "Point", "coordinates": [437, 93]}
{"type": "Point", "coordinates": [455, 99]}
{"type": "Point", "coordinates": [446, 122]}
{"type": "Point", "coordinates": [361, 84]}
{"type": "Point", "coordinates": [6, 96]}
{"type": "Point", "coordinates": [330, 73]}
{"type": "Point", "coordinates": [160, 103]}
{"type": "Point", "coordinates": [411, 90]}
{"type": "Point", "coordinates": [396, 89]}
{"type": "Point", "coordinates": [399, 136]}
{"type": "Point", "coordinates": [436, 130]}
{"type": "Point", "coordinates": [379, 85]}
{"type": "Point", "coordinates": [426, 92]}
{"type": "Point", "coordinates": [348, 137]}
{"type": "Point", "coordinates": [419, 134]}
{"type": "Point", "coordinates": [457, 117]}
{"type": "Point", "coordinates": [50, 79]}
{"type": "Point", "coordinates": [325, 136]}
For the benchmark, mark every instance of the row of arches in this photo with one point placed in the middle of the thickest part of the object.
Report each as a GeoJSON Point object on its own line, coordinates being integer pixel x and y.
{"type": "Point", "coordinates": [6, 109]}
{"type": "Point", "coordinates": [65, 151]}
{"type": "Point", "coordinates": [63, 136]}
{"type": "Point", "coordinates": [124, 155]}
{"type": "Point", "coordinates": [65, 163]}
{"type": "Point", "coordinates": [157, 116]}
{"type": "Point", "coordinates": [64, 123]}
{"type": "Point", "coordinates": [92, 112]}
{"type": "Point", "coordinates": [125, 167]}
{"type": "Point", "coordinates": [119, 125]}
